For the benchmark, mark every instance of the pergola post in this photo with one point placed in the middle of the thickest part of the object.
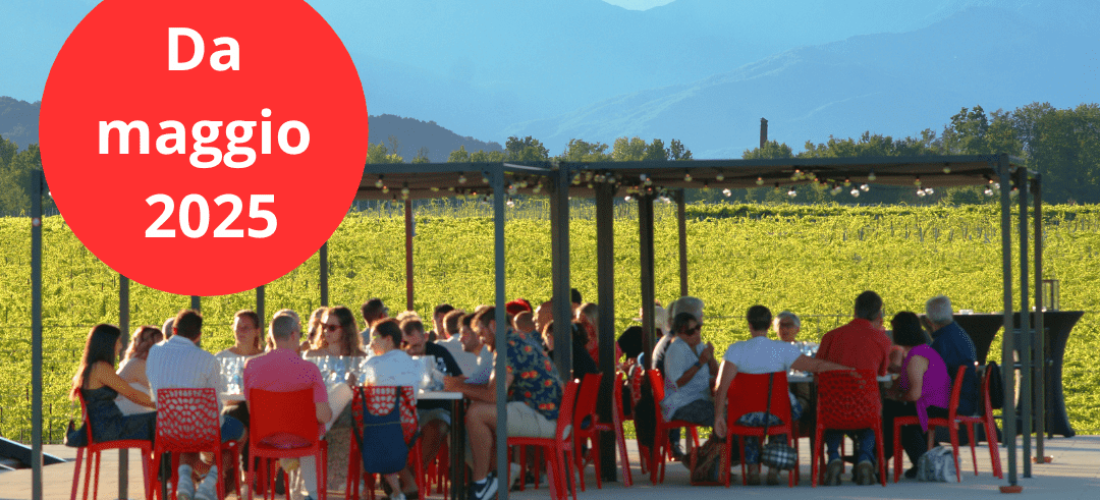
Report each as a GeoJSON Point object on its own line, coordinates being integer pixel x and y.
{"type": "Point", "coordinates": [196, 302]}
{"type": "Point", "coordinates": [409, 255]}
{"type": "Point", "coordinates": [502, 330]}
{"type": "Point", "coordinates": [260, 302]}
{"type": "Point", "coordinates": [681, 220]}
{"type": "Point", "coordinates": [37, 181]}
{"type": "Point", "coordinates": [1040, 346]}
{"type": "Point", "coordinates": [124, 325]}
{"type": "Point", "coordinates": [1026, 331]}
{"type": "Point", "coordinates": [559, 250]}
{"type": "Point", "coordinates": [323, 257]}
{"type": "Point", "coordinates": [1007, 348]}
{"type": "Point", "coordinates": [645, 258]}
{"type": "Point", "coordinates": [605, 273]}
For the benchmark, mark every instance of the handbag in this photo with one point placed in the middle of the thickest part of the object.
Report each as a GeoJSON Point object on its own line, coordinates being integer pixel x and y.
{"type": "Point", "coordinates": [776, 454]}
{"type": "Point", "coordinates": [381, 440]}
{"type": "Point", "coordinates": [937, 465]}
{"type": "Point", "coordinates": [705, 462]}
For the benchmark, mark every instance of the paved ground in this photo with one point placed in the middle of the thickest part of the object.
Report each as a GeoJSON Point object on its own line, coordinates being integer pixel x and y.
{"type": "Point", "coordinates": [1075, 474]}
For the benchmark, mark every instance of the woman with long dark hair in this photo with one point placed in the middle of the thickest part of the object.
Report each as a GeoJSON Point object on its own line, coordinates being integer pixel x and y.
{"type": "Point", "coordinates": [339, 337]}
{"type": "Point", "coordinates": [99, 385]}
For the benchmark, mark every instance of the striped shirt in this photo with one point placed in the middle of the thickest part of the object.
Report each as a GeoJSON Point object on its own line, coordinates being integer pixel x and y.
{"type": "Point", "coordinates": [178, 362]}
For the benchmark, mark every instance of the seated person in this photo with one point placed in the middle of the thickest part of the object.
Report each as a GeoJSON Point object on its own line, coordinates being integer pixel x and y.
{"type": "Point", "coordinates": [434, 417]}
{"type": "Point", "coordinates": [99, 385]}
{"type": "Point", "coordinates": [952, 343]}
{"type": "Point", "coordinates": [132, 369]}
{"type": "Point", "coordinates": [922, 389]}
{"type": "Point", "coordinates": [283, 370]}
{"type": "Point", "coordinates": [438, 332]}
{"type": "Point", "coordinates": [390, 366]}
{"type": "Point", "coordinates": [534, 394]}
{"type": "Point", "coordinates": [340, 336]}
{"type": "Point", "coordinates": [861, 344]}
{"type": "Point", "coordinates": [688, 368]}
{"type": "Point", "coordinates": [758, 355]}
{"type": "Point", "coordinates": [582, 360]}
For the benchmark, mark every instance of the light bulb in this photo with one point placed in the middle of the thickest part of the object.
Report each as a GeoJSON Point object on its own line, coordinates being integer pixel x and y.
{"type": "Point", "coordinates": [871, 176]}
{"type": "Point", "coordinates": [727, 192]}
{"type": "Point", "coordinates": [988, 192]}
{"type": "Point", "coordinates": [759, 181]}
{"type": "Point", "coordinates": [929, 191]}
{"type": "Point", "coordinates": [378, 184]}
{"type": "Point", "coordinates": [947, 170]}
{"type": "Point", "coordinates": [864, 188]}
{"type": "Point", "coordinates": [920, 193]}
{"type": "Point", "coordinates": [687, 177]}
{"type": "Point", "coordinates": [720, 178]}
{"type": "Point", "coordinates": [628, 198]}
{"type": "Point", "coordinates": [916, 182]}
{"type": "Point", "coordinates": [792, 193]}
{"type": "Point", "coordinates": [854, 192]}
{"type": "Point", "coordinates": [462, 179]}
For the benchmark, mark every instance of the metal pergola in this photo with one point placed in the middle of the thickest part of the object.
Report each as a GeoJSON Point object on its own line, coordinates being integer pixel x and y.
{"type": "Point", "coordinates": [645, 181]}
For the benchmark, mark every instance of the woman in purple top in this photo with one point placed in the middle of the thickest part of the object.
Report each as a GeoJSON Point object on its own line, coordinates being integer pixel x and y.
{"type": "Point", "coordinates": [922, 389]}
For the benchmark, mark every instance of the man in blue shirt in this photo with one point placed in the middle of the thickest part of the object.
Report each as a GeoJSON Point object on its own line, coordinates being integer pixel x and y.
{"type": "Point", "coordinates": [955, 347]}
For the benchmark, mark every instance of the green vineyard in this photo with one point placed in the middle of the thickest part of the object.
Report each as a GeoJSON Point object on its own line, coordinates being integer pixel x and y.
{"type": "Point", "coordinates": [812, 260]}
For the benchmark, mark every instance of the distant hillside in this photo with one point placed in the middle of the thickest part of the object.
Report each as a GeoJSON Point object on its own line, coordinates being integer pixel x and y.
{"type": "Point", "coordinates": [19, 121]}
{"type": "Point", "coordinates": [413, 134]}
{"type": "Point", "coordinates": [19, 124]}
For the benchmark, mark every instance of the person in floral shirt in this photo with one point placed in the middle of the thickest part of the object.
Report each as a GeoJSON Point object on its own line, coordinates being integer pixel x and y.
{"type": "Point", "coordinates": [534, 395]}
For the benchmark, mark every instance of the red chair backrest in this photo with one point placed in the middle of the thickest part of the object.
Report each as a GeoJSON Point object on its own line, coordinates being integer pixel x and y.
{"type": "Point", "coordinates": [588, 393]}
{"type": "Point", "coordinates": [274, 413]}
{"type": "Point", "coordinates": [187, 420]}
{"type": "Point", "coordinates": [848, 399]}
{"type": "Point", "coordinates": [749, 393]}
{"type": "Point", "coordinates": [565, 413]}
{"type": "Point", "coordinates": [956, 389]}
{"type": "Point", "coordinates": [380, 401]}
{"type": "Point", "coordinates": [84, 415]}
{"type": "Point", "coordinates": [636, 376]}
{"type": "Point", "coordinates": [657, 382]}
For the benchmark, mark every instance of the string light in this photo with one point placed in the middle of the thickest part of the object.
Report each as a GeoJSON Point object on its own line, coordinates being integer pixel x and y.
{"type": "Point", "coordinates": [929, 191]}
{"type": "Point", "coordinates": [854, 192]}
{"type": "Point", "coordinates": [484, 179]}
{"type": "Point", "coordinates": [916, 182]}
{"type": "Point", "coordinates": [727, 192]}
{"type": "Point", "coordinates": [792, 193]}
{"type": "Point", "coordinates": [385, 189]}
{"type": "Point", "coordinates": [628, 198]}
{"type": "Point", "coordinates": [687, 177]}
{"type": "Point", "coordinates": [988, 192]}
{"type": "Point", "coordinates": [920, 193]}
{"type": "Point", "coordinates": [847, 182]}
{"type": "Point", "coordinates": [378, 184]}
{"type": "Point", "coordinates": [759, 181]}
{"type": "Point", "coordinates": [836, 189]}
{"type": "Point", "coordinates": [947, 170]}
{"type": "Point", "coordinates": [871, 176]}
{"type": "Point", "coordinates": [510, 203]}
{"type": "Point", "coordinates": [720, 177]}
{"type": "Point", "coordinates": [462, 179]}
{"type": "Point", "coordinates": [577, 179]}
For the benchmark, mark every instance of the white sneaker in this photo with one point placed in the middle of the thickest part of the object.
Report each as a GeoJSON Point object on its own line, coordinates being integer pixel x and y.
{"type": "Point", "coordinates": [185, 488]}
{"type": "Point", "coordinates": [516, 473]}
{"type": "Point", "coordinates": [397, 496]}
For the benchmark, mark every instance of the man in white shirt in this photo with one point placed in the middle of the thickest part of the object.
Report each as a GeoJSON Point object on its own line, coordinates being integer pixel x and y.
{"type": "Point", "coordinates": [179, 362]}
{"type": "Point", "coordinates": [757, 355]}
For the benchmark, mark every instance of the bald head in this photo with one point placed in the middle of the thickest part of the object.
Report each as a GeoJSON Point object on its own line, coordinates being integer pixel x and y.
{"type": "Point", "coordinates": [283, 326]}
{"type": "Point", "coordinates": [544, 315]}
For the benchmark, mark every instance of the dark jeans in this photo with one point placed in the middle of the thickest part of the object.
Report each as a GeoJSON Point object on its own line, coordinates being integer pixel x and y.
{"type": "Point", "coordinates": [912, 437]}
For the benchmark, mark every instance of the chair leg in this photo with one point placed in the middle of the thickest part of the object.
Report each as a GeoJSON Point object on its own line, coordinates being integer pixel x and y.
{"type": "Point", "coordinates": [572, 484]}
{"type": "Point", "coordinates": [76, 473]}
{"type": "Point", "coordinates": [815, 459]}
{"type": "Point", "coordinates": [145, 473]}
{"type": "Point", "coordinates": [881, 455]}
{"type": "Point", "coordinates": [953, 431]}
{"type": "Point", "coordinates": [897, 451]}
{"type": "Point", "coordinates": [596, 462]}
{"type": "Point", "coordinates": [88, 473]}
{"type": "Point", "coordinates": [628, 479]}
{"type": "Point", "coordinates": [973, 451]}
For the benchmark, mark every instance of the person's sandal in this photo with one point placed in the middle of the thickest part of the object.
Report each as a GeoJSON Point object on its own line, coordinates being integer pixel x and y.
{"type": "Point", "coordinates": [753, 476]}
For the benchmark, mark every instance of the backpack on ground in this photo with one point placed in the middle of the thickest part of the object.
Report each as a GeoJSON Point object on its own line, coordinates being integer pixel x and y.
{"type": "Point", "coordinates": [937, 465]}
{"type": "Point", "coordinates": [996, 386]}
{"type": "Point", "coordinates": [381, 440]}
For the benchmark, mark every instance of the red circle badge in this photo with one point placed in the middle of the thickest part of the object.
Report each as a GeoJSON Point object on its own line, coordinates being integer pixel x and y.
{"type": "Point", "coordinates": [205, 147]}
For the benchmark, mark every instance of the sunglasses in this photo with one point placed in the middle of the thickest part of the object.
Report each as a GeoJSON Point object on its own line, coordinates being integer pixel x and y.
{"type": "Point", "coordinates": [332, 328]}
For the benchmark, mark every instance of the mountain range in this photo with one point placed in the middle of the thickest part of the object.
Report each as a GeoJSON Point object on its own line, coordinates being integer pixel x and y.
{"type": "Point", "coordinates": [702, 71]}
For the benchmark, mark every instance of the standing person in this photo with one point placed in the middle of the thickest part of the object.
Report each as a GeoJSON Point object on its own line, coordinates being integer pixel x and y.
{"type": "Point", "coordinates": [132, 369]}
{"type": "Point", "coordinates": [340, 336]}
{"type": "Point", "coordinates": [434, 416]}
{"type": "Point", "coordinates": [923, 389]}
{"type": "Point", "coordinates": [390, 366]}
{"type": "Point", "coordinates": [99, 385]}
{"type": "Point", "coordinates": [179, 362]}
{"type": "Point", "coordinates": [952, 343]}
{"type": "Point", "coordinates": [438, 332]}
{"type": "Point", "coordinates": [283, 370]}
{"type": "Point", "coordinates": [533, 400]}
{"type": "Point", "coordinates": [758, 355]}
{"type": "Point", "coordinates": [861, 344]}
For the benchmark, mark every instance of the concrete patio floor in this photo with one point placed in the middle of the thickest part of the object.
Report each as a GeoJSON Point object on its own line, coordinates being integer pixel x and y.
{"type": "Point", "coordinates": [1074, 474]}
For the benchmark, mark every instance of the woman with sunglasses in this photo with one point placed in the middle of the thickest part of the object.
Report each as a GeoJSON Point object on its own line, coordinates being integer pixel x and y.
{"type": "Point", "coordinates": [132, 369]}
{"type": "Point", "coordinates": [339, 335]}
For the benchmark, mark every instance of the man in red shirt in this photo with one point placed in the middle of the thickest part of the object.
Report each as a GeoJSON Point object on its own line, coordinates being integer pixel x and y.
{"type": "Point", "coordinates": [861, 344]}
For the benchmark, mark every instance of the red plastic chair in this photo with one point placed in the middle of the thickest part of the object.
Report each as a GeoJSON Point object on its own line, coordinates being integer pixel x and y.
{"type": "Point", "coordinates": [380, 400]}
{"type": "Point", "coordinates": [616, 426]}
{"type": "Point", "coordinates": [986, 420]}
{"type": "Point", "coordinates": [949, 422]}
{"type": "Point", "coordinates": [284, 425]}
{"type": "Point", "coordinates": [585, 420]}
{"type": "Point", "coordinates": [559, 448]}
{"type": "Point", "coordinates": [661, 448]}
{"type": "Point", "coordinates": [847, 400]}
{"type": "Point", "coordinates": [93, 449]}
{"type": "Point", "coordinates": [747, 394]}
{"type": "Point", "coordinates": [187, 422]}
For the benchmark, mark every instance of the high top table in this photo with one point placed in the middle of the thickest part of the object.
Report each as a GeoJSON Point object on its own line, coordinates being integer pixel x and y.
{"type": "Point", "coordinates": [983, 328]}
